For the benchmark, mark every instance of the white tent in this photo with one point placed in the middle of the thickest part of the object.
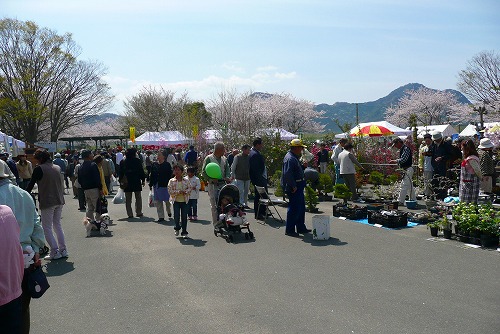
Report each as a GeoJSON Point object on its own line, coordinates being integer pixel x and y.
{"type": "Point", "coordinates": [164, 138]}
{"type": "Point", "coordinates": [446, 130]}
{"type": "Point", "coordinates": [211, 136]}
{"type": "Point", "coordinates": [284, 134]}
{"type": "Point", "coordinates": [11, 143]}
{"type": "Point", "coordinates": [397, 130]}
{"type": "Point", "coordinates": [469, 131]}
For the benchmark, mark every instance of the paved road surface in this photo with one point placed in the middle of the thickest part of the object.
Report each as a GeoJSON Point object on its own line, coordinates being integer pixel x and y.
{"type": "Point", "coordinates": [142, 279]}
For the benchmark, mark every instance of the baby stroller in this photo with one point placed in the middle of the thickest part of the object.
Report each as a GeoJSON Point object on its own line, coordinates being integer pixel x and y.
{"type": "Point", "coordinates": [232, 219]}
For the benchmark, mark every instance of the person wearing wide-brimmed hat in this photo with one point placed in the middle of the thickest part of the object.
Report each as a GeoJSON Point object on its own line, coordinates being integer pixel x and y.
{"type": "Point", "coordinates": [487, 166]}
{"type": "Point", "coordinates": [293, 183]}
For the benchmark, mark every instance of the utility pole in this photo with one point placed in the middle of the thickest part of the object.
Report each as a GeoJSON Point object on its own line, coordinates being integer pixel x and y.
{"type": "Point", "coordinates": [357, 114]}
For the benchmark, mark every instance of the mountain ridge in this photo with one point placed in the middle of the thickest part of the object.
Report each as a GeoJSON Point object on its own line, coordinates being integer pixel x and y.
{"type": "Point", "coordinates": [344, 112]}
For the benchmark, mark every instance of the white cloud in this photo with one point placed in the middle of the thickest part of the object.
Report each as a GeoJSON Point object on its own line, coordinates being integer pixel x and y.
{"type": "Point", "coordinates": [201, 89]}
{"type": "Point", "coordinates": [233, 66]}
{"type": "Point", "coordinates": [268, 68]}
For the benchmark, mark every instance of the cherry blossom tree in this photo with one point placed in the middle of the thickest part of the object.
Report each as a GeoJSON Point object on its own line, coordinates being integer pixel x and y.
{"type": "Point", "coordinates": [428, 107]}
{"type": "Point", "coordinates": [240, 116]}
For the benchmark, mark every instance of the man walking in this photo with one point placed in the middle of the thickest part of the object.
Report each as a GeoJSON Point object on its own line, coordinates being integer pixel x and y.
{"type": "Point", "coordinates": [214, 184]}
{"type": "Point", "coordinates": [441, 151]}
{"type": "Point", "coordinates": [405, 162]}
{"type": "Point", "coordinates": [258, 175]}
{"type": "Point", "coordinates": [240, 171]}
{"type": "Point", "coordinates": [293, 183]}
{"type": "Point", "coordinates": [90, 181]}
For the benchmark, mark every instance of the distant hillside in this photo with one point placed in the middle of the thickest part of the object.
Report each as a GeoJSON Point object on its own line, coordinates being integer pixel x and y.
{"type": "Point", "coordinates": [105, 117]}
{"type": "Point", "coordinates": [368, 111]}
{"type": "Point", "coordinates": [343, 111]}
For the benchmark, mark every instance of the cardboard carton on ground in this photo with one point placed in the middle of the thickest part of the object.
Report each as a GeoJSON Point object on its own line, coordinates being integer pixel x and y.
{"type": "Point", "coordinates": [321, 227]}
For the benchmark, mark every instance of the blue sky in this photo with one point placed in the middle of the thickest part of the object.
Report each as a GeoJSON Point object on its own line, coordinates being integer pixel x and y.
{"type": "Point", "coordinates": [322, 51]}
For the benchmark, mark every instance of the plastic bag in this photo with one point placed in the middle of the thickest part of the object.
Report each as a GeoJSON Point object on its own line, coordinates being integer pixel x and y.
{"type": "Point", "coordinates": [151, 199]}
{"type": "Point", "coordinates": [114, 181]}
{"type": "Point", "coordinates": [119, 197]}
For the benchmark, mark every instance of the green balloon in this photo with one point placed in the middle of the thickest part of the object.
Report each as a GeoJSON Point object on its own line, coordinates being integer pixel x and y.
{"type": "Point", "coordinates": [213, 171]}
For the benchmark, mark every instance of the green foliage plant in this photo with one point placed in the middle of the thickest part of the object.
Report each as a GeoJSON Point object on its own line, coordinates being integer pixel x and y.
{"type": "Point", "coordinates": [311, 198]}
{"type": "Point", "coordinates": [325, 183]}
{"type": "Point", "coordinates": [342, 191]}
{"type": "Point", "coordinates": [376, 178]}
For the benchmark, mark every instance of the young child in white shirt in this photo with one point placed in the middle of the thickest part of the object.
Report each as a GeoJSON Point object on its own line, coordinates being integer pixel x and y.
{"type": "Point", "coordinates": [194, 183]}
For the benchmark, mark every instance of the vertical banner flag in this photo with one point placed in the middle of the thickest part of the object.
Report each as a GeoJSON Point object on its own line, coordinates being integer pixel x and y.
{"type": "Point", "coordinates": [132, 134]}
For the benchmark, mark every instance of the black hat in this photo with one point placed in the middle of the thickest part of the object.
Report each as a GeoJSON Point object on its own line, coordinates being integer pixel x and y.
{"type": "Point", "coordinates": [427, 135]}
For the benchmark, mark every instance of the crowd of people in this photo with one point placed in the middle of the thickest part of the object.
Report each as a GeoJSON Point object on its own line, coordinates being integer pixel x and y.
{"type": "Point", "coordinates": [463, 164]}
{"type": "Point", "coordinates": [175, 188]}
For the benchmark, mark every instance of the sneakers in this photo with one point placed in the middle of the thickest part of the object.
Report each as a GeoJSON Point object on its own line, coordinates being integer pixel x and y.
{"type": "Point", "coordinates": [64, 253]}
{"type": "Point", "coordinates": [195, 218]}
{"type": "Point", "coordinates": [176, 233]}
{"type": "Point", "coordinates": [190, 218]}
{"type": "Point", "coordinates": [56, 256]}
{"type": "Point", "coordinates": [184, 234]}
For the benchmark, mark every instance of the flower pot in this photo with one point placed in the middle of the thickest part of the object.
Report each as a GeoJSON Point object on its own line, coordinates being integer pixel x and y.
{"type": "Point", "coordinates": [412, 205]}
{"type": "Point", "coordinates": [393, 205]}
{"type": "Point", "coordinates": [447, 234]}
{"type": "Point", "coordinates": [489, 241]}
{"type": "Point", "coordinates": [434, 231]}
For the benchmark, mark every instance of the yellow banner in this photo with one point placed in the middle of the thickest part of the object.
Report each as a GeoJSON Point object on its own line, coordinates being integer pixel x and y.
{"type": "Point", "coordinates": [132, 134]}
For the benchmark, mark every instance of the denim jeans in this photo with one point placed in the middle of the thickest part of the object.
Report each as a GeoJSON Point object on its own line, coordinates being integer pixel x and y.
{"type": "Point", "coordinates": [193, 207]}
{"type": "Point", "coordinates": [180, 216]}
{"type": "Point", "coordinates": [243, 187]}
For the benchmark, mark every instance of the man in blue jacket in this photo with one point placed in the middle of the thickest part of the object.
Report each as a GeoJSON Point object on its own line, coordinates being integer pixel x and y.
{"type": "Point", "coordinates": [293, 183]}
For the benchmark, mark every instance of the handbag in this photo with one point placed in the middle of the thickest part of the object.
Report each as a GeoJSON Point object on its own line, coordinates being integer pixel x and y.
{"type": "Point", "coordinates": [119, 197]}
{"type": "Point", "coordinates": [102, 205]}
{"type": "Point", "coordinates": [37, 282]}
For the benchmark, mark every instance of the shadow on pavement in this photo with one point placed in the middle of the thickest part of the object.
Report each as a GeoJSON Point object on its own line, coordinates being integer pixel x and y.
{"type": "Point", "coordinates": [330, 242]}
{"type": "Point", "coordinates": [59, 267]}
{"type": "Point", "coordinates": [201, 221]}
{"type": "Point", "coordinates": [271, 222]}
{"type": "Point", "coordinates": [192, 242]}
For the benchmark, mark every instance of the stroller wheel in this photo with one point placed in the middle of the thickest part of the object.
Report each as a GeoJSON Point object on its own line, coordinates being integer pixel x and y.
{"type": "Point", "coordinates": [247, 236]}
{"type": "Point", "coordinates": [215, 232]}
{"type": "Point", "coordinates": [250, 235]}
{"type": "Point", "coordinates": [229, 239]}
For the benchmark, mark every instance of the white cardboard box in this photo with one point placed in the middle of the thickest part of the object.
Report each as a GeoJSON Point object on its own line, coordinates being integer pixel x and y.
{"type": "Point", "coordinates": [321, 227]}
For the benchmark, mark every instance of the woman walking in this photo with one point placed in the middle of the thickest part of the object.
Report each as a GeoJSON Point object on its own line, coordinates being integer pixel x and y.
{"type": "Point", "coordinates": [179, 190]}
{"type": "Point", "coordinates": [470, 173]}
{"type": "Point", "coordinates": [133, 178]}
{"type": "Point", "coordinates": [161, 173]}
{"type": "Point", "coordinates": [51, 201]}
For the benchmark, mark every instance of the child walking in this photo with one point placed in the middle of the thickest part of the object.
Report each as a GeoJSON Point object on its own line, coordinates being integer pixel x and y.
{"type": "Point", "coordinates": [195, 186]}
{"type": "Point", "coordinates": [179, 190]}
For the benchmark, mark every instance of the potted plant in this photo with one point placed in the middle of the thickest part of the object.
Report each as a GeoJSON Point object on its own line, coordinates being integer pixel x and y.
{"type": "Point", "coordinates": [325, 186]}
{"type": "Point", "coordinates": [489, 224]}
{"type": "Point", "coordinates": [445, 225]}
{"type": "Point", "coordinates": [311, 198]}
{"type": "Point", "coordinates": [342, 191]}
{"type": "Point", "coordinates": [434, 226]}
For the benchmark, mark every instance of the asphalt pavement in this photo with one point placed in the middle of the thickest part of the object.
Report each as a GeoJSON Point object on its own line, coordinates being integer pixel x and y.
{"type": "Point", "coordinates": [140, 278]}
